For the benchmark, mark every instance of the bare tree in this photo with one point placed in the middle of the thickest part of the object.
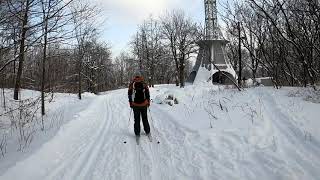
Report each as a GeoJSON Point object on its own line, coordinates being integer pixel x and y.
{"type": "Point", "coordinates": [181, 34]}
{"type": "Point", "coordinates": [148, 48]}
{"type": "Point", "coordinates": [85, 27]}
{"type": "Point", "coordinates": [281, 38]}
{"type": "Point", "coordinates": [52, 15]}
{"type": "Point", "coordinates": [24, 28]}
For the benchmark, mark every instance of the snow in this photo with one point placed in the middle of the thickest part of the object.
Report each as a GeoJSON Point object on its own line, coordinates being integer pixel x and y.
{"type": "Point", "coordinates": [204, 75]}
{"type": "Point", "coordinates": [63, 108]}
{"type": "Point", "coordinates": [212, 133]}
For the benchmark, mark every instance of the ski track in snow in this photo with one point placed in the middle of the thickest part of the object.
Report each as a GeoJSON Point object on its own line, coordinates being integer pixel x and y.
{"type": "Point", "coordinates": [292, 135]}
{"type": "Point", "coordinates": [92, 147]}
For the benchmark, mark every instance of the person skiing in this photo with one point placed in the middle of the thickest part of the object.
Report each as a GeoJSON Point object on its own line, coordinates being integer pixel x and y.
{"type": "Point", "coordinates": [139, 100]}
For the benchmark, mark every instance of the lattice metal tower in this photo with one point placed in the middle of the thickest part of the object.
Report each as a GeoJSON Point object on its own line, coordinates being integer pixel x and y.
{"type": "Point", "coordinates": [212, 61]}
{"type": "Point", "coordinates": [211, 20]}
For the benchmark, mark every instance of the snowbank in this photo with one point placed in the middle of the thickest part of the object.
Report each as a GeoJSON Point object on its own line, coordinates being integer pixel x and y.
{"type": "Point", "coordinates": [28, 134]}
{"type": "Point", "coordinates": [258, 133]}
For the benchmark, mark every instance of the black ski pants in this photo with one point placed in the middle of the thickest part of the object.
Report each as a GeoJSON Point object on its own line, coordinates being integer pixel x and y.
{"type": "Point", "coordinates": [141, 112]}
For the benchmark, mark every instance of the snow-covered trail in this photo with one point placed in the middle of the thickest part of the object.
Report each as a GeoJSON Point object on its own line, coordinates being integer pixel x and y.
{"type": "Point", "coordinates": [289, 134]}
{"type": "Point", "coordinates": [91, 146]}
{"type": "Point", "coordinates": [88, 147]}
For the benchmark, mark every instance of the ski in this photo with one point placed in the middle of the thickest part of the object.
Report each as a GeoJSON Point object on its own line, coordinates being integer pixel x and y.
{"type": "Point", "coordinates": [138, 140]}
{"type": "Point", "coordinates": [149, 137]}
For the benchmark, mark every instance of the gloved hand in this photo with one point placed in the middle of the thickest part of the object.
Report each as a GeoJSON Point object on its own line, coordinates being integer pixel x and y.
{"type": "Point", "coordinates": [130, 104]}
{"type": "Point", "coordinates": [148, 104]}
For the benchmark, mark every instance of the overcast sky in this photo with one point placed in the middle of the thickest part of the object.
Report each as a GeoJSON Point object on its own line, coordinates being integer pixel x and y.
{"type": "Point", "coordinates": [123, 17]}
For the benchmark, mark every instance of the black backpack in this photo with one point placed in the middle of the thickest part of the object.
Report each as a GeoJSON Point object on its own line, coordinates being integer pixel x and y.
{"type": "Point", "coordinates": [139, 95]}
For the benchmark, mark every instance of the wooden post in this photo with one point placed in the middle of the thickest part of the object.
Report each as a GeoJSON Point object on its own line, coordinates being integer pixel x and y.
{"type": "Point", "coordinates": [240, 61]}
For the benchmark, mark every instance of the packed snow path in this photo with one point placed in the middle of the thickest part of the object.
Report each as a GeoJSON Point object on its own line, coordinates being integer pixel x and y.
{"type": "Point", "coordinates": [91, 146]}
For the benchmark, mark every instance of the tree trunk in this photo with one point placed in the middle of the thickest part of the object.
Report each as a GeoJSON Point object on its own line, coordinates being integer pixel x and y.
{"type": "Point", "coordinates": [177, 71]}
{"type": "Point", "coordinates": [181, 72]}
{"type": "Point", "coordinates": [239, 51]}
{"type": "Point", "coordinates": [79, 75]}
{"type": "Point", "coordinates": [177, 78]}
{"type": "Point", "coordinates": [44, 67]}
{"type": "Point", "coordinates": [21, 52]}
{"type": "Point", "coordinates": [3, 94]}
{"type": "Point", "coordinates": [15, 55]}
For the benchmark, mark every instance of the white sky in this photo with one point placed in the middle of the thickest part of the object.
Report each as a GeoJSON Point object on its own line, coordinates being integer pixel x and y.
{"type": "Point", "coordinates": [123, 17]}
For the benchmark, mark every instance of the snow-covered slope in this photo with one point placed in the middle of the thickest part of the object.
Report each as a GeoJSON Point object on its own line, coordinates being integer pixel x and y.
{"type": "Point", "coordinates": [213, 133]}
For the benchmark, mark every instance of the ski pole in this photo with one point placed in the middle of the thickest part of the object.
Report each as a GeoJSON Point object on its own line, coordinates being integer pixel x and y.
{"type": "Point", "coordinates": [152, 123]}
{"type": "Point", "coordinates": [130, 115]}
{"type": "Point", "coordinates": [151, 116]}
{"type": "Point", "coordinates": [128, 123]}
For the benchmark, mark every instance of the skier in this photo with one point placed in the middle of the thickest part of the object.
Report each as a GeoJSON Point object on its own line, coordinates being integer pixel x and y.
{"type": "Point", "coordinates": [139, 100]}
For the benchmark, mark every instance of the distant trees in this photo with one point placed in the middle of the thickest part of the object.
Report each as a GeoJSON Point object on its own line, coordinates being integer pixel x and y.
{"type": "Point", "coordinates": [51, 45]}
{"type": "Point", "coordinates": [83, 17]}
{"type": "Point", "coordinates": [148, 48]}
{"type": "Point", "coordinates": [281, 38]}
{"type": "Point", "coordinates": [97, 67]}
{"type": "Point", "coordinates": [163, 47]}
{"type": "Point", "coordinates": [125, 68]}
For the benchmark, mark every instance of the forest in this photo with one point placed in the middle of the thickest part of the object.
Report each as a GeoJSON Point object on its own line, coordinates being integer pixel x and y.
{"type": "Point", "coordinates": [53, 46]}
